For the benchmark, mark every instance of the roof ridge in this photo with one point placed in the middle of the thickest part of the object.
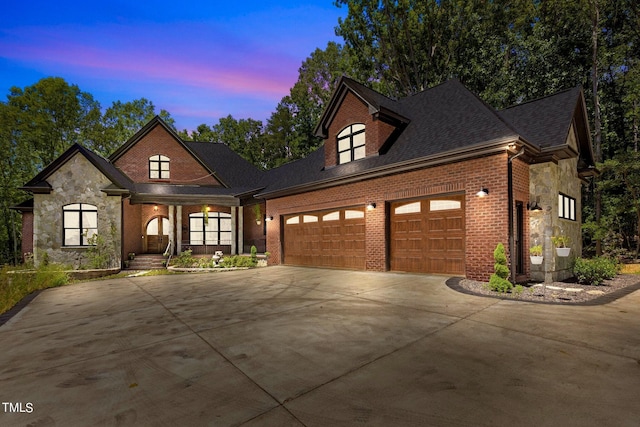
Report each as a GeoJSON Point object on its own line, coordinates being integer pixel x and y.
{"type": "Point", "coordinates": [551, 95]}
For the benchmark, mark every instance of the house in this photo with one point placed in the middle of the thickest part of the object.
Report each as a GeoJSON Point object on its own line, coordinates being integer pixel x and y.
{"type": "Point", "coordinates": [429, 183]}
{"type": "Point", "coordinates": [156, 193]}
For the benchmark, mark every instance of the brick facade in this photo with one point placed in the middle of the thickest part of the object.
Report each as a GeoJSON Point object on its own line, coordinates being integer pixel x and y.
{"type": "Point", "coordinates": [486, 219]}
{"type": "Point", "coordinates": [376, 131]}
{"type": "Point", "coordinates": [184, 168]}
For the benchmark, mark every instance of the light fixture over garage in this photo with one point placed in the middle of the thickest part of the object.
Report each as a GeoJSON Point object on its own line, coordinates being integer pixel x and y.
{"type": "Point", "coordinates": [484, 192]}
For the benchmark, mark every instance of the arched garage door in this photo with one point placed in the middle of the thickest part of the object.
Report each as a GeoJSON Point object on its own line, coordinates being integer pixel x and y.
{"type": "Point", "coordinates": [428, 235]}
{"type": "Point", "coordinates": [334, 238]}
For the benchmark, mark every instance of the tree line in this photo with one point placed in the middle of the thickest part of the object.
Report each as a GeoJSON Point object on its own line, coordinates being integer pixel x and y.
{"type": "Point", "coordinates": [506, 51]}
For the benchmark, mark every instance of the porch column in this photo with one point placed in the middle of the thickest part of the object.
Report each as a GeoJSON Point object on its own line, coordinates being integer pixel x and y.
{"type": "Point", "coordinates": [179, 230]}
{"type": "Point", "coordinates": [172, 229]}
{"type": "Point", "coordinates": [240, 230]}
{"type": "Point", "coordinates": [234, 234]}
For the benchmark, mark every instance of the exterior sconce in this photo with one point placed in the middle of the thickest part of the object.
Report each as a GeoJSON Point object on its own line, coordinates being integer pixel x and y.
{"type": "Point", "coordinates": [268, 218]}
{"type": "Point", "coordinates": [155, 208]}
{"type": "Point", "coordinates": [484, 192]}
{"type": "Point", "coordinates": [534, 206]}
{"type": "Point", "coordinates": [371, 206]}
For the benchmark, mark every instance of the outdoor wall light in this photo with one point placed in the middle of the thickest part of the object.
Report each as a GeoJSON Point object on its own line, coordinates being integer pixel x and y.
{"type": "Point", "coordinates": [371, 206]}
{"type": "Point", "coordinates": [268, 218]}
{"type": "Point", "coordinates": [155, 207]}
{"type": "Point", "coordinates": [534, 206]}
{"type": "Point", "coordinates": [483, 192]}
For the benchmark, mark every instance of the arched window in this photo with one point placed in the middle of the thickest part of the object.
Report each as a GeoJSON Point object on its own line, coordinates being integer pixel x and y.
{"type": "Point", "coordinates": [351, 143]}
{"type": "Point", "coordinates": [215, 229]}
{"type": "Point", "coordinates": [158, 167]}
{"type": "Point", "coordinates": [79, 223]}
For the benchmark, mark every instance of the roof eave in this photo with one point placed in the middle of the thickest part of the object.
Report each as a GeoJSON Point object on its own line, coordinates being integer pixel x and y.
{"type": "Point", "coordinates": [481, 150]}
{"type": "Point", "coordinates": [185, 199]}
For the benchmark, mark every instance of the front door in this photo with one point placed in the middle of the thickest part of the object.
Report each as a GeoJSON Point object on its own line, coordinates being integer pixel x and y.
{"type": "Point", "coordinates": [157, 235]}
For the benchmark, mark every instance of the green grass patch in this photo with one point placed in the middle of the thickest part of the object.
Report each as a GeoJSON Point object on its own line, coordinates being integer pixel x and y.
{"type": "Point", "coordinates": [17, 284]}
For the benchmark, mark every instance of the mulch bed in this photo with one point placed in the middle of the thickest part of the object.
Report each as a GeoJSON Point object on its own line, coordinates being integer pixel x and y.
{"type": "Point", "coordinates": [567, 292]}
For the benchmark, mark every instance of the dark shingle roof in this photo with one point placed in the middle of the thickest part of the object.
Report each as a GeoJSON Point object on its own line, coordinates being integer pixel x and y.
{"type": "Point", "coordinates": [231, 168]}
{"type": "Point", "coordinates": [544, 122]}
{"type": "Point", "coordinates": [445, 118]}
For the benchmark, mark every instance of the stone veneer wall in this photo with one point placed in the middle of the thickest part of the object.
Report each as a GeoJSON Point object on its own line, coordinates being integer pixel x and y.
{"type": "Point", "coordinates": [77, 181]}
{"type": "Point", "coordinates": [547, 180]}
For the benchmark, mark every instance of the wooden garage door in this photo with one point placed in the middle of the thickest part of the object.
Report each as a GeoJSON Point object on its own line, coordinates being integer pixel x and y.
{"type": "Point", "coordinates": [333, 238]}
{"type": "Point", "coordinates": [428, 235]}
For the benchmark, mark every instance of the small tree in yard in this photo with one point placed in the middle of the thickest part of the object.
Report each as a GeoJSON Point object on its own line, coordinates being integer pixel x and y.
{"type": "Point", "coordinates": [498, 281]}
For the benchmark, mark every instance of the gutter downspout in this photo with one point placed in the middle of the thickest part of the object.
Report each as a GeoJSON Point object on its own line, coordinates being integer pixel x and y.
{"type": "Point", "coordinates": [512, 243]}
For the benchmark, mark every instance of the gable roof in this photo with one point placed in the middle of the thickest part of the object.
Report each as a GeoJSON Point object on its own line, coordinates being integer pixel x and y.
{"type": "Point", "coordinates": [153, 123]}
{"type": "Point", "coordinates": [379, 105]}
{"type": "Point", "coordinates": [546, 122]}
{"type": "Point", "coordinates": [239, 177]}
{"type": "Point", "coordinates": [39, 184]}
{"type": "Point", "coordinates": [445, 123]}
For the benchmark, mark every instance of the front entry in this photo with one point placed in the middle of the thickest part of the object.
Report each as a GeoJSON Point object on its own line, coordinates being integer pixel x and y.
{"type": "Point", "coordinates": [157, 235]}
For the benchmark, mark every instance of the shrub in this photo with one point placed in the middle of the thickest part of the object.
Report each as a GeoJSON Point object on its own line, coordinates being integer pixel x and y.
{"type": "Point", "coordinates": [254, 252]}
{"type": "Point", "coordinates": [498, 281]}
{"type": "Point", "coordinates": [595, 271]}
{"type": "Point", "coordinates": [185, 259]}
{"type": "Point", "coordinates": [238, 261]}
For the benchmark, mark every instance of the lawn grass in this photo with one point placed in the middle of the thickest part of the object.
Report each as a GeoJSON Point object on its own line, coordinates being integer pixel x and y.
{"type": "Point", "coordinates": [17, 284]}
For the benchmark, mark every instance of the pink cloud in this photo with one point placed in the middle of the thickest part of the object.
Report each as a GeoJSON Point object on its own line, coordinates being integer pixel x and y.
{"type": "Point", "coordinates": [142, 54]}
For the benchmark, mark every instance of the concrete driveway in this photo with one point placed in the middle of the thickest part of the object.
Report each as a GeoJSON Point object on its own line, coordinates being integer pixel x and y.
{"type": "Point", "coordinates": [283, 346]}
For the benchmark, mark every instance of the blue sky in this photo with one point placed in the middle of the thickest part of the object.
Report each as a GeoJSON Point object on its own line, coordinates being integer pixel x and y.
{"type": "Point", "coordinates": [199, 60]}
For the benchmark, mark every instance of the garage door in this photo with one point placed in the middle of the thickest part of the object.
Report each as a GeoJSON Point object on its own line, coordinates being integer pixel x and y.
{"type": "Point", "coordinates": [333, 238]}
{"type": "Point", "coordinates": [427, 236]}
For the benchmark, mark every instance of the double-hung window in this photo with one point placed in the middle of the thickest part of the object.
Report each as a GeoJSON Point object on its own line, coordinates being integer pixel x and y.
{"type": "Point", "coordinates": [159, 167]}
{"type": "Point", "coordinates": [79, 224]}
{"type": "Point", "coordinates": [351, 143]}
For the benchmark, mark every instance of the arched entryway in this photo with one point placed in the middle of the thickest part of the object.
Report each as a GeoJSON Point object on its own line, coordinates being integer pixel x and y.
{"type": "Point", "coordinates": [157, 235]}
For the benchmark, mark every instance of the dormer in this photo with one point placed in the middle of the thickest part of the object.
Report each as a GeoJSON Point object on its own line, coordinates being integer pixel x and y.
{"type": "Point", "coordinates": [358, 123]}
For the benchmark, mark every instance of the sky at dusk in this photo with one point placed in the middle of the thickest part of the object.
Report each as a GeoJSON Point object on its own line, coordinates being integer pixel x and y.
{"type": "Point", "coordinates": [199, 60]}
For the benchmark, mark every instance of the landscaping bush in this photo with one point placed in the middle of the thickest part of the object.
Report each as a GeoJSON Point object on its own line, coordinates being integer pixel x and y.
{"type": "Point", "coordinates": [184, 260]}
{"type": "Point", "coordinates": [238, 261]}
{"type": "Point", "coordinates": [595, 271]}
{"type": "Point", "coordinates": [17, 285]}
{"type": "Point", "coordinates": [498, 281]}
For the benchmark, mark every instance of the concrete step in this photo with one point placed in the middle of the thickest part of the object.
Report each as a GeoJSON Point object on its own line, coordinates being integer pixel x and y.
{"type": "Point", "coordinates": [146, 262]}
